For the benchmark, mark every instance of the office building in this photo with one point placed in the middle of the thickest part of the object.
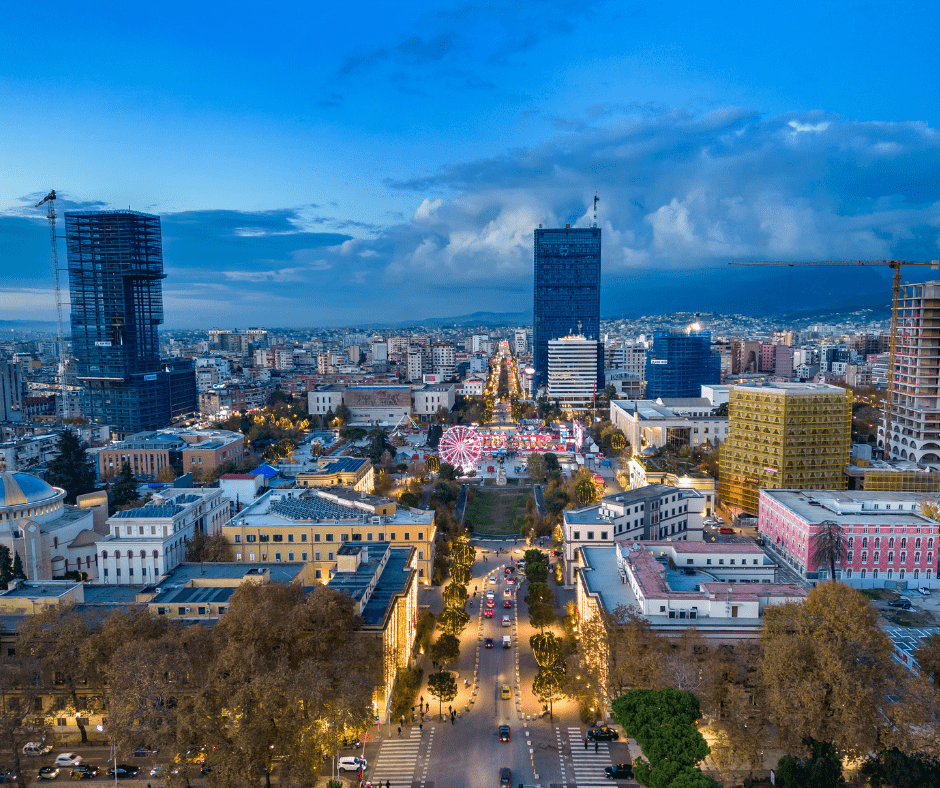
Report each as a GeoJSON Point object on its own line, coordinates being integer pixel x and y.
{"type": "Point", "coordinates": [679, 363]}
{"type": "Point", "coordinates": [115, 263]}
{"type": "Point", "coordinates": [785, 436]}
{"type": "Point", "coordinates": [673, 423]}
{"type": "Point", "coordinates": [572, 371]}
{"type": "Point", "coordinates": [567, 293]}
{"type": "Point", "coordinates": [915, 406]}
{"type": "Point", "coordinates": [11, 391]}
{"type": "Point", "coordinates": [148, 453]}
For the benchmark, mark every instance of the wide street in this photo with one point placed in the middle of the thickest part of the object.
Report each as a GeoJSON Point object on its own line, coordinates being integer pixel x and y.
{"type": "Point", "coordinates": [467, 752]}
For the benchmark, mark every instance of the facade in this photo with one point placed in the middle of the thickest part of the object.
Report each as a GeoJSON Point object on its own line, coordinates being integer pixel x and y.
{"type": "Point", "coordinates": [653, 424]}
{"type": "Point", "coordinates": [567, 292]}
{"type": "Point", "coordinates": [354, 472]}
{"type": "Point", "coordinates": [897, 476]}
{"type": "Point", "coordinates": [11, 391]}
{"type": "Point", "coordinates": [234, 397]}
{"type": "Point", "coordinates": [654, 512]}
{"type": "Point", "coordinates": [638, 475]}
{"type": "Point", "coordinates": [572, 371]}
{"type": "Point", "coordinates": [146, 543]}
{"type": "Point", "coordinates": [115, 263]}
{"type": "Point", "coordinates": [785, 436]}
{"type": "Point", "coordinates": [325, 399]}
{"type": "Point", "coordinates": [915, 407]}
{"type": "Point", "coordinates": [148, 453]}
{"type": "Point", "coordinates": [679, 363]}
{"type": "Point", "coordinates": [372, 405]}
{"type": "Point", "coordinates": [430, 398]}
{"type": "Point", "coordinates": [312, 525]}
{"type": "Point", "coordinates": [886, 536]}
{"type": "Point", "coordinates": [444, 360]}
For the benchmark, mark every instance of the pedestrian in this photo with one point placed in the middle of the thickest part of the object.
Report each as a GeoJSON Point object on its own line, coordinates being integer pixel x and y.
{"type": "Point", "coordinates": [421, 727]}
{"type": "Point", "coordinates": [450, 709]}
{"type": "Point", "coordinates": [427, 708]}
{"type": "Point", "coordinates": [402, 719]}
{"type": "Point", "coordinates": [596, 746]}
{"type": "Point", "coordinates": [585, 744]}
{"type": "Point", "coordinates": [399, 731]}
{"type": "Point", "coordinates": [388, 784]}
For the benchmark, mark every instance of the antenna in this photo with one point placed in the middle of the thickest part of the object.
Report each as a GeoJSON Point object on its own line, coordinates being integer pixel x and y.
{"type": "Point", "coordinates": [596, 200]}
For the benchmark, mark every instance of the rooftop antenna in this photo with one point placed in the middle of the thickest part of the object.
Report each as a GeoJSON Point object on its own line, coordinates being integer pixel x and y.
{"type": "Point", "coordinates": [596, 199]}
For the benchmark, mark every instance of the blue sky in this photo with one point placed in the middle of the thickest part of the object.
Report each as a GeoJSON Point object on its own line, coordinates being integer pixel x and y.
{"type": "Point", "coordinates": [317, 163]}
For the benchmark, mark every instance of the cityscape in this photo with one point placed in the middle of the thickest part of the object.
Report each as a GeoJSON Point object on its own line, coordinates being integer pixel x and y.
{"type": "Point", "coordinates": [580, 427]}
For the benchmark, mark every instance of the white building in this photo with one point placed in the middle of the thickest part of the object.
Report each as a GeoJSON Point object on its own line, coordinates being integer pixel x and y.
{"type": "Point", "coordinates": [325, 399]}
{"type": "Point", "coordinates": [146, 543]}
{"type": "Point", "coordinates": [572, 371]}
{"type": "Point", "coordinates": [428, 399]}
{"type": "Point", "coordinates": [444, 360]}
{"type": "Point", "coordinates": [520, 341]}
{"type": "Point", "coordinates": [379, 352]}
{"type": "Point", "coordinates": [652, 424]}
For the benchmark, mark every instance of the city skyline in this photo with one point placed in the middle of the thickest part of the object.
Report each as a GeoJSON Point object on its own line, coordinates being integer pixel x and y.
{"type": "Point", "coordinates": [402, 169]}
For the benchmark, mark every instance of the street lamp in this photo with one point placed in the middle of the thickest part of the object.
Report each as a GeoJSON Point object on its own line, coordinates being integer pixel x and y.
{"type": "Point", "coordinates": [100, 728]}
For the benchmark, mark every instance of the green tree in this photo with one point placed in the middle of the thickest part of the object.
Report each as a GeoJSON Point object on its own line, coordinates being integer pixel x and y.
{"type": "Point", "coordinates": [409, 499]}
{"type": "Point", "coordinates": [539, 594]}
{"type": "Point", "coordinates": [18, 571]}
{"type": "Point", "coordinates": [455, 595]}
{"type": "Point", "coordinates": [895, 769]}
{"type": "Point", "coordinates": [447, 472]}
{"type": "Point", "coordinates": [829, 546]}
{"type": "Point", "coordinates": [453, 620]}
{"type": "Point", "coordinates": [6, 566]}
{"type": "Point", "coordinates": [546, 648]}
{"type": "Point", "coordinates": [536, 467]}
{"type": "Point", "coordinates": [124, 488]}
{"type": "Point", "coordinates": [548, 686]}
{"type": "Point", "coordinates": [343, 413]}
{"type": "Point", "coordinates": [445, 649]}
{"type": "Point", "coordinates": [462, 552]}
{"type": "Point", "coordinates": [445, 493]}
{"type": "Point", "coordinates": [821, 769]}
{"type": "Point", "coordinates": [460, 574]}
{"type": "Point", "coordinates": [443, 687]}
{"type": "Point", "coordinates": [551, 461]}
{"type": "Point", "coordinates": [536, 572]}
{"type": "Point", "coordinates": [70, 470]}
{"type": "Point", "coordinates": [541, 616]}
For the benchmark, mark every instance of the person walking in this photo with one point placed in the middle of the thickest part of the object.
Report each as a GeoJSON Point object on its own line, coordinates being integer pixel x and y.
{"type": "Point", "coordinates": [421, 727]}
{"type": "Point", "coordinates": [399, 731]}
{"type": "Point", "coordinates": [596, 746]}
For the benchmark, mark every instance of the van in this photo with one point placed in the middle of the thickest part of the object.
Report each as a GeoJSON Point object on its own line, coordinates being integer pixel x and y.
{"type": "Point", "coordinates": [507, 641]}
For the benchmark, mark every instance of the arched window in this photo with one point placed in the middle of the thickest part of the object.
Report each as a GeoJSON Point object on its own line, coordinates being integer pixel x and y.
{"type": "Point", "coordinates": [143, 555]}
{"type": "Point", "coordinates": [917, 543]}
{"type": "Point", "coordinates": [851, 541]}
{"type": "Point", "coordinates": [104, 555]}
{"type": "Point", "coordinates": [155, 555]}
{"type": "Point", "coordinates": [877, 542]}
{"type": "Point", "coordinates": [891, 542]}
{"type": "Point", "coordinates": [864, 557]}
{"type": "Point", "coordinates": [903, 543]}
{"type": "Point", "coordinates": [130, 555]}
{"type": "Point", "coordinates": [890, 558]}
{"type": "Point", "coordinates": [865, 542]}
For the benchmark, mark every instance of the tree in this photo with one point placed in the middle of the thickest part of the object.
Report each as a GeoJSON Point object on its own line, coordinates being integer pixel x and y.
{"type": "Point", "coordinates": [927, 656]}
{"type": "Point", "coordinates": [539, 594]}
{"type": "Point", "coordinates": [895, 769]}
{"type": "Point", "coordinates": [462, 552]}
{"type": "Point", "coordinates": [536, 572]}
{"type": "Point", "coordinates": [460, 574]}
{"type": "Point", "coordinates": [829, 546]}
{"type": "Point", "coordinates": [546, 648]}
{"type": "Point", "coordinates": [536, 467]}
{"type": "Point", "coordinates": [18, 571]}
{"type": "Point", "coordinates": [453, 620]}
{"type": "Point", "coordinates": [202, 548]}
{"type": "Point", "coordinates": [558, 538]}
{"type": "Point", "coordinates": [343, 413]}
{"type": "Point", "coordinates": [821, 769]}
{"type": "Point", "coordinates": [541, 616]}
{"type": "Point", "coordinates": [445, 649]}
{"type": "Point", "coordinates": [167, 474]}
{"type": "Point", "coordinates": [551, 461]}
{"type": "Point", "coordinates": [548, 686]}
{"type": "Point", "coordinates": [443, 687]}
{"type": "Point", "coordinates": [70, 470]}
{"type": "Point", "coordinates": [409, 499]}
{"type": "Point", "coordinates": [6, 566]}
{"type": "Point", "coordinates": [455, 595]}
{"type": "Point", "coordinates": [445, 493]}
{"type": "Point", "coordinates": [447, 472]}
{"type": "Point", "coordinates": [124, 489]}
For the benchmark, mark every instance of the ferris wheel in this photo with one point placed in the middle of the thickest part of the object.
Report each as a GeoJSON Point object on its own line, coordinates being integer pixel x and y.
{"type": "Point", "coordinates": [461, 447]}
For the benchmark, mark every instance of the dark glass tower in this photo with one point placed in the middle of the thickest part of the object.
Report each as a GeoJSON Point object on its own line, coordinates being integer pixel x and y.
{"type": "Point", "coordinates": [679, 363]}
{"type": "Point", "coordinates": [115, 261]}
{"type": "Point", "coordinates": [567, 292]}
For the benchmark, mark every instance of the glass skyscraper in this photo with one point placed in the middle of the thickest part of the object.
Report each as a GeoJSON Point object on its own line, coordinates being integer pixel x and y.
{"type": "Point", "coordinates": [115, 263]}
{"type": "Point", "coordinates": [567, 292]}
{"type": "Point", "coordinates": [679, 363]}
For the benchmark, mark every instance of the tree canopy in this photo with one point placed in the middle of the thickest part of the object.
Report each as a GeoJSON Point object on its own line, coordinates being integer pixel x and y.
{"type": "Point", "coordinates": [70, 470]}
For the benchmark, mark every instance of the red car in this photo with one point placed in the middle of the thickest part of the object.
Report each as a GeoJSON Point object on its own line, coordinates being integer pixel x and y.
{"type": "Point", "coordinates": [508, 604]}
{"type": "Point", "coordinates": [488, 613]}
{"type": "Point", "coordinates": [490, 603]}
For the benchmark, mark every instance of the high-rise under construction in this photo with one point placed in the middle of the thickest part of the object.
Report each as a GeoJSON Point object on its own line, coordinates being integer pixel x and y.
{"type": "Point", "coordinates": [784, 436]}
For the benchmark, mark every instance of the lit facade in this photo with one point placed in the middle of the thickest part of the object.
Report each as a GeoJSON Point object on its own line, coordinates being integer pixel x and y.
{"type": "Point", "coordinates": [679, 363]}
{"type": "Point", "coordinates": [786, 436]}
{"type": "Point", "coordinates": [572, 371]}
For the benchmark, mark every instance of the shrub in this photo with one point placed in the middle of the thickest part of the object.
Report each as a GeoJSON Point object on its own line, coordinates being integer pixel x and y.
{"type": "Point", "coordinates": [407, 685]}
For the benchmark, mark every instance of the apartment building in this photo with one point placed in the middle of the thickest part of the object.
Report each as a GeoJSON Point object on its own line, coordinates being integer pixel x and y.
{"type": "Point", "coordinates": [150, 452]}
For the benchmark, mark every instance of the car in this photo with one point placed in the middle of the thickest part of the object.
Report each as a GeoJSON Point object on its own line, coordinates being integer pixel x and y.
{"type": "Point", "coordinates": [507, 604]}
{"type": "Point", "coordinates": [602, 733]}
{"type": "Point", "coordinates": [490, 594]}
{"type": "Point", "coordinates": [510, 569]}
{"type": "Point", "coordinates": [8, 777]}
{"type": "Point", "coordinates": [36, 748]}
{"type": "Point", "coordinates": [122, 771]}
{"type": "Point", "coordinates": [620, 771]}
{"type": "Point", "coordinates": [902, 604]}
{"type": "Point", "coordinates": [709, 521]}
{"type": "Point", "coordinates": [491, 603]}
{"type": "Point", "coordinates": [142, 752]}
{"type": "Point", "coordinates": [505, 777]}
{"type": "Point", "coordinates": [352, 764]}
{"type": "Point", "coordinates": [511, 580]}
{"type": "Point", "coordinates": [488, 642]}
{"type": "Point", "coordinates": [726, 529]}
{"type": "Point", "coordinates": [924, 591]}
{"type": "Point", "coordinates": [68, 759]}
{"type": "Point", "coordinates": [488, 613]}
{"type": "Point", "coordinates": [507, 592]}
{"type": "Point", "coordinates": [48, 772]}
{"type": "Point", "coordinates": [504, 733]}
{"type": "Point", "coordinates": [493, 579]}
{"type": "Point", "coordinates": [82, 772]}
{"type": "Point", "coordinates": [161, 771]}
{"type": "Point", "coordinates": [719, 521]}
{"type": "Point", "coordinates": [505, 692]}
{"type": "Point", "coordinates": [506, 621]}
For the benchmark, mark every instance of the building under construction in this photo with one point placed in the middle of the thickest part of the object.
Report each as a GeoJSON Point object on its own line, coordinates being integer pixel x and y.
{"type": "Point", "coordinates": [785, 436]}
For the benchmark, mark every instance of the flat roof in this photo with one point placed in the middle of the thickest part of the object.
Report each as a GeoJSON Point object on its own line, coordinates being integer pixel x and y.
{"type": "Point", "coordinates": [796, 389]}
{"type": "Point", "coordinates": [46, 588]}
{"type": "Point", "coordinates": [814, 506]}
{"type": "Point", "coordinates": [234, 570]}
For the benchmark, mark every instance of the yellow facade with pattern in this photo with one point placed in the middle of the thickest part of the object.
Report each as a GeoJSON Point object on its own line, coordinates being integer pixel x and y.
{"type": "Point", "coordinates": [786, 436]}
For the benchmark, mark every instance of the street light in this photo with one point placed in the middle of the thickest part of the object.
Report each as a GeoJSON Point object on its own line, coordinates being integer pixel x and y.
{"type": "Point", "coordinates": [100, 728]}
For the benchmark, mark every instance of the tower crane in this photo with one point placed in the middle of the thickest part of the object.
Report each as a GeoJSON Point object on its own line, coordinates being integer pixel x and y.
{"type": "Point", "coordinates": [896, 266]}
{"type": "Point", "coordinates": [51, 216]}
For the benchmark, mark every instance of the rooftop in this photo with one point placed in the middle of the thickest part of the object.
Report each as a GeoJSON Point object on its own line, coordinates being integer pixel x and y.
{"type": "Point", "coordinates": [866, 507]}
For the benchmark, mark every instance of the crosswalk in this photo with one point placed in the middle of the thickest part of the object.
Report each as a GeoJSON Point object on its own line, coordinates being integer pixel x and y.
{"type": "Point", "coordinates": [396, 761]}
{"type": "Point", "coordinates": [587, 765]}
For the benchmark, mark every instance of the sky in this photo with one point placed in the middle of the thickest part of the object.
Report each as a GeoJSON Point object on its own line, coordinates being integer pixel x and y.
{"type": "Point", "coordinates": [322, 163]}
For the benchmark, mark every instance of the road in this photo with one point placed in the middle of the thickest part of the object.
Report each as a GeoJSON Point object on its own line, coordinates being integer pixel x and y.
{"type": "Point", "coordinates": [97, 756]}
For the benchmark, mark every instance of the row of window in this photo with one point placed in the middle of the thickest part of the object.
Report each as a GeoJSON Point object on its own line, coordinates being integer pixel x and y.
{"type": "Point", "coordinates": [877, 542]}
{"type": "Point", "coordinates": [317, 556]}
{"type": "Point", "coordinates": [876, 558]}
{"type": "Point", "coordinates": [251, 538]}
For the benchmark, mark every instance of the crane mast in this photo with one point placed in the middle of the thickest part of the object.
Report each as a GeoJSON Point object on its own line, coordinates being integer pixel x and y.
{"type": "Point", "coordinates": [51, 216]}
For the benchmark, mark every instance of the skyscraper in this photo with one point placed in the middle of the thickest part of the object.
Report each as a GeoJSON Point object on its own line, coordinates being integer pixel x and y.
{"type": "Point", "coordinates": [567, 292]}
{"type": "Point", "coordinates": [679, 363]}
{"type": "Point", "coordinates": [115, 262]}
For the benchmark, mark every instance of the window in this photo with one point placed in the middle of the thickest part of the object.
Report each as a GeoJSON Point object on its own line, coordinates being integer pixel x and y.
{"type": "Point", "coordinates": [290, 556]}
{"type": "Point", "coordinates": [721, 560]}
{"type": "Point", "coordinates": [590, 535]}
{"type": "Point", "coordinates": [708, 560]}
{"type": "Point", "coordinates": [330, 555]}
{"type": "Point", "coordinates": [251, 538]}
{"type": "Point", "coordinates": [316, 537]}
{"type": "Point", "coordinates": [316, 574]}
{"type": "Point", "coordinates": [603, 534]}
{"type": "Point", "coordinates": [202, 611]}
{"type": "Point", "coordinates": [181, 611]}
{"type": "Point", "coordinates": [329, 537]}
{"type": "Point", "coordinates": [303, 556]}
{"type": "Point", "coordinates": [277, 538]}
{"type": "Point", "coordinates": [577, 535]}
{"type": "Point", "coordinates": [391, 537]}
{"type": "Point", "coordinates": [264, 537]}
{"type": "Point", "coordinates": [238, 538]}
{"type": "Point", "coordinates": [381, 537]}
{"type": "Point", "coordinates": [407, 536]}
{"type": "Point", "coordinates": [689, 560]}
{"type": "Point", "coordinates": [420, 536]}
{"type": "Point", "coordinates": [316, 555]}
{"type": "Point", "coordinates": [303, 537]}
{"type": "Point", "coordinates": [277, 556]}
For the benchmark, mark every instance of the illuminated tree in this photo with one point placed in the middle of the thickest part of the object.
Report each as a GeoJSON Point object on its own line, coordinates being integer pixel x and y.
{"type": "Point", "coordinates": [443, 687]}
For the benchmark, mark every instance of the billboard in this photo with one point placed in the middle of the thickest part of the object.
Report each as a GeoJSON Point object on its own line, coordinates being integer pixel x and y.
{"type": "Point", "coordinates": [378, 397]}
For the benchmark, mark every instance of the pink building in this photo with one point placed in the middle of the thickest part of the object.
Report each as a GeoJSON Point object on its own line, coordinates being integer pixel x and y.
{"type": "Point", "coordinates": [887, 538]}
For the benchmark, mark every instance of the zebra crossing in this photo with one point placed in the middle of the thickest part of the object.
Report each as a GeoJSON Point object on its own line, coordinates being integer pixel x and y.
{"type": "Point", "coordinates": [396, 761]}
{"type": "Point", "coordinates": [586, 764]}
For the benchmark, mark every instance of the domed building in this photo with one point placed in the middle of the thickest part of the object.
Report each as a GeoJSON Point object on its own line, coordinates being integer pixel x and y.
{"type": "Point", "coordinates": [50, 537]}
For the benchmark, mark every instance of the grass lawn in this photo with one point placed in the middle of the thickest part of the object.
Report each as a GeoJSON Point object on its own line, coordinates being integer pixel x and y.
{"type": "Point", "coordinates": [493, 509]}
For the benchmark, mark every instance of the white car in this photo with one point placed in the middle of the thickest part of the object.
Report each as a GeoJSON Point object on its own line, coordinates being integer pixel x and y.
{"type": "Point", "coordinates": [493, 579]}
{"type": "Point", "coordinates": [68, 759]}
{"type": "Point", "coordinates": [924, 591]}
{"type": "Point", "coordinates": [719, 521]}
{"type": "Point", "coordinates": [352, 764]}
{"type": "Point", "coordinates": [709, 521]}
{"type": "Point", "coordinates": [506, 622]}
{"type": "Point", "coordinates": [36, 748]}
{"type": "Point", "coordinates": [490, 593]}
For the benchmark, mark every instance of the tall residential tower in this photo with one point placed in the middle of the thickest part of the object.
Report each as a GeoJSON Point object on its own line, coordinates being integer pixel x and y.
{"type": "Point", "coordinates": [567, 292]}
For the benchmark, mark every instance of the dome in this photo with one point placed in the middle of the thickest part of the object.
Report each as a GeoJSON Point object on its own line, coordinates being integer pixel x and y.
{"type": "Point", "coordinates": [17, 489]}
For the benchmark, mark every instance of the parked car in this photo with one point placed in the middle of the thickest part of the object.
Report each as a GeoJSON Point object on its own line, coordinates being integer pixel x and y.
{"type": "Point", "coordinates": [726, 529]}
{"type": "Point", "coordinates": [82, 772]}
{"type": "Point", "coordinates": [719, 521]}
{"type": "Point", "coordinates": [488, 613]}
{"type": "Point", "coordinates": [352, 764]}
{"type": "Point", "coordinates": [493, 579]}
{"type": "Point", "coordinates": [619, 771]}
{"type": "Point", "coordinates": [122, 771]}
{"type": "Point", "coordinates": [505, 777]}
{"type": "Point", "coordinates": [48, 772]}
{"type": "Point", "coordinates": [504, 733]}
{"type": "Point", "coordinates": [488, 643]}
{"type": "Point", "coordinates": [924, 591]}
{"type": "Point", "coordinates": [142, 752]}
{"type": "Point", "coordinates": [36, 748]}
{"type": "Point", "coordinates": [602, 733]}
{"type": "Point", "coordinates": [709, 521]}
{"type": "Point", "coordinates": [8, 777]}
{"type": "Point", "coordinates": [68, 759]}
{"type": "Point", "coordinates": [902, 603]}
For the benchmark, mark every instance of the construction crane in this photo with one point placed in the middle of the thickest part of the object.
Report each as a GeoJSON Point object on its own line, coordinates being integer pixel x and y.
{"type": "Point", "coordinates": [51, 215]}
{"type": "Point", "coordinates": [896, 266]}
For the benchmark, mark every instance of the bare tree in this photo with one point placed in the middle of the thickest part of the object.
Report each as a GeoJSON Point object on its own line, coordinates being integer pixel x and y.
{"type": "Point", "coordinates": [829, 546]}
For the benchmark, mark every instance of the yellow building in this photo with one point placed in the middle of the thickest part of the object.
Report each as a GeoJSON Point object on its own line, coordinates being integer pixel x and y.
{"type": "Point", "coordinates": [784, 436]}
{"type": "Point", "coordinates": [340, 472]}
{"type": "Point", "coordinates": [311, 525]}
